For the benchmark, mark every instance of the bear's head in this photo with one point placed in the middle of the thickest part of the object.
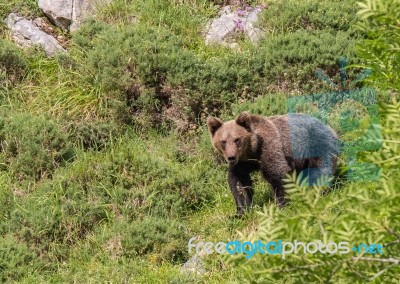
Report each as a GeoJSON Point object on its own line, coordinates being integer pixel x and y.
{"type": "Point", "coordinates": [233, 139]}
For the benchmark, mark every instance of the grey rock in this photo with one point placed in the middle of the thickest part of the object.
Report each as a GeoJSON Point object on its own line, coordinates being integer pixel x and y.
{"type": "Point", "coordinates": [70, 14]}
{"type": "Point", "coordinates": [27, 33]}
{"type": "Point", "coordinates": [58, 11]}
{"type": "Point", "coordinates": [193, 266]}
{"type": "Point", "coordinates": [82, 9]}
{"type": "Point", "coordinates": [222, 26]}
{"type": "Point", "coordinates": [250, 29]}
{"type": "Point", "coordinates": [230, 23]}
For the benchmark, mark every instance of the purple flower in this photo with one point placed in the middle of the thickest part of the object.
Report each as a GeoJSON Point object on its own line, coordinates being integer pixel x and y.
{"type": "Point", "coordinates": [240, 12]}
{"type": "Point", "coordinates": [239, 25]}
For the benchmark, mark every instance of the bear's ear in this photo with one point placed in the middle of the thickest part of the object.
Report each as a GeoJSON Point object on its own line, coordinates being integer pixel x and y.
{"type": "Point", "coordinates": [244, 120]}
{"type": "Point", "coordinates": [213, 125]}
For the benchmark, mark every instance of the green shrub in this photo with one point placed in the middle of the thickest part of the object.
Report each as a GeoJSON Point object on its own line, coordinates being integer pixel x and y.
{"type": "Point", "coordinates": [380, 48]}
{"type": "Point", "coordinates": [162, 239]}
{"type": "Point", "coordinates": [271, 104]}
{"type": "Point", "coordinates": [32, 147]}
{"type": "Point", "coordinates": [6, 201]}
{"type": "Point", "coordinates": [151, 77]}
{"type": "Point", "coordinates": [139, 181]}
{"type": "Point", "coordinates": [291, 15]}
{"type": "Point", "coordinates": [16, 259]}
{"type": "Point", "coordinates": [292, 59]}
{"type": "Point", "coordinates": [92, 135]}
{"type": "Point", "coordinates": [13, 64]}
{"type": "Point", "coordinates": [28, 8]}
{"type": "Point", "coordinates": [150, 72]}
{"type": "Point", "coordinates": [55, 217]}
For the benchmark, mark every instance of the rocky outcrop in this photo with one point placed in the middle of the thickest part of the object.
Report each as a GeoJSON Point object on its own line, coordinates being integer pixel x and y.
{"type": "Point", "coordinates": [27, 33]}
{"type": "Point", "coordinates": [69, 14]}
{"type": "Point", "coordinates": [193, 266]}
{"type": "Point", "coordinates": [232, 22]}
{"type": "Point", "coordinates": [58, 11]}
{"type": "Point", "coordinates": [82, 9]}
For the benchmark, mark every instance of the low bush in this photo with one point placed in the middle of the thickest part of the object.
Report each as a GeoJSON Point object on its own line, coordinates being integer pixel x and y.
{"type": "Point", "coordinates": [92, 135]}
{"type": "Point", "coordinates": [26, 8]}
{"type": "Point", "coordinates": [151, 77]}
{"type": "Point", "coordinates": [291, 60]}
{"type": "Point", "coordinates": [32, 147]}
{"type": "Point", "coordinates": [16, 259]}
{"type": "Point", "coordinates": [161, 239]}
{"type": "Point", "coordinates": [13, 64]}
{"type": "Point", "coordinates": [125, 184]}
{"type": "Point", "coordinates": [291, 15]}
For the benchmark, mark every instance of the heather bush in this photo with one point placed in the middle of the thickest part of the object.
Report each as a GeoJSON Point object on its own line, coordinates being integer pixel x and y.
{"type": "Point", "coordinates": [32, 147]}
{"type": "Point", "coordinates": [161, 239]}
{"type": "Point", "coordinates": [128, 102]}
{"type": "Point", "coordinates": [117, 187]}
{"type": "Point", "coordinates": [13, 64]}
{"type": "Point", "coordinates": [291, 15]}
{"type": "Point", "coordinates": [16, 259]}
{"type": "Point", "coordinates": [149, 76]}
{"type": "Point", "coordinates": [92, 135]}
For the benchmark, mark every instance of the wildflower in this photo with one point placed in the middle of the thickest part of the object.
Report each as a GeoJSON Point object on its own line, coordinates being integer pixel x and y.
{"type": "Point", "coordinates": [240, 12]}
{"type": "Point", "coordinates": [239, 25]}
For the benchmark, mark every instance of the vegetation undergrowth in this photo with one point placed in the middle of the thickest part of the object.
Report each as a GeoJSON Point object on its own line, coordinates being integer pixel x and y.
{"type": "Point", "coordinates": [106, 169]}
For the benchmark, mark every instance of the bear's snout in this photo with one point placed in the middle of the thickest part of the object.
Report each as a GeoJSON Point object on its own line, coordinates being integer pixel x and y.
{"type": "Point", "coordinates": [232, 160]}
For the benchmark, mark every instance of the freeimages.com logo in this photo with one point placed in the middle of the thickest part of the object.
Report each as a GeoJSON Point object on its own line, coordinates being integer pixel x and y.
{"type": "Point", "coordinates": [249, 249]}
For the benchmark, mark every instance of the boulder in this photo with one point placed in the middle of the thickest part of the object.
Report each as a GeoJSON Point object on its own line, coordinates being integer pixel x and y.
{"type": "Point", "coordinates": [232, 22]}
{"type": "Point", "coordinates": [193, 266]}
{"type": "Point", "coordinates": [58, 11]}
{"type": "Point", "coordinates": [27, 33]}
{"type": "Point", "coordinates": [69, 14]}
{"type": "Point", "coordinates": [82, 9]}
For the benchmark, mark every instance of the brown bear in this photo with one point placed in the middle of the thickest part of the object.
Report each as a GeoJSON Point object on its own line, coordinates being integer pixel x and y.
{"type": "Point", "coordinates": [275, 145]}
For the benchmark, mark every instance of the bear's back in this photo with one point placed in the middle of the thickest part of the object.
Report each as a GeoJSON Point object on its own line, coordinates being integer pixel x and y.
{"type": "Point", "coordinates": [299, 135]}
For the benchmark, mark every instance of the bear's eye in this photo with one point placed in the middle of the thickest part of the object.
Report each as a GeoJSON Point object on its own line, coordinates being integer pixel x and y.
{"type": "Point", "coordinates": [223, 143]}
{"type": "Point", "coordinates": [237, 141]}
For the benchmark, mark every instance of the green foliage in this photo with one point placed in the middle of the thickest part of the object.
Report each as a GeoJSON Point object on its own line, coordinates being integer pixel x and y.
{"type": "Point", "coordinates": [163, 239]}
{"type": "Point", "coordinates": [16, 259]}
{"type": "Point", "coordinates": [150, 72]}
{"type": "Point", "coordinates": [22, 7]}
{"type": "Point", "coordinates": [381, 47]}
{"type": "Point", "coordinates": [292, 15]}
{"type": "Point", "coordinates": [125, 209]}
{"type": "Point", "coordinates": [292, 59]}
{"type": "Point", "coordinates": [159, 72]}
{"type": "Point", "coordinates": [32, 147]}
{"type": "Point", "coordinates": [136, 189]}
{"type": "Point", "coordinates": [271, 104]}
{"type": "Point", "coordinates": [92, 135]}
{"type": "Point", "coordinates": [13, 64]}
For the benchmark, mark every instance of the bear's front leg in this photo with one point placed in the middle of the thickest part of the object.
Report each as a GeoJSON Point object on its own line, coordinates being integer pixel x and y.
{"type": "Point", "coordinates": [240, 184]}
{"type": "Point", "coordinates": [274, 171]}
{"type": "Point", "coordinates": [279, 192]}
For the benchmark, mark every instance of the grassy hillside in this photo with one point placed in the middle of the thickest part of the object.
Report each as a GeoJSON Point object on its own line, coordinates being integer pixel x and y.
{"type": "Point", "coordinates": [106, 169]}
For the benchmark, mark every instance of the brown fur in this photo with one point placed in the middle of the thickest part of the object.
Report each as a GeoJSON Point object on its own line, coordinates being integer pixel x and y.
{"type": "Point", "coordinates": [252, 142]}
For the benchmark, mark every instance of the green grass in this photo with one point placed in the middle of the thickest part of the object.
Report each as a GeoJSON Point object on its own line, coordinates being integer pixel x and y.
{"type": "Point", "coordinates": [106, 168]}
